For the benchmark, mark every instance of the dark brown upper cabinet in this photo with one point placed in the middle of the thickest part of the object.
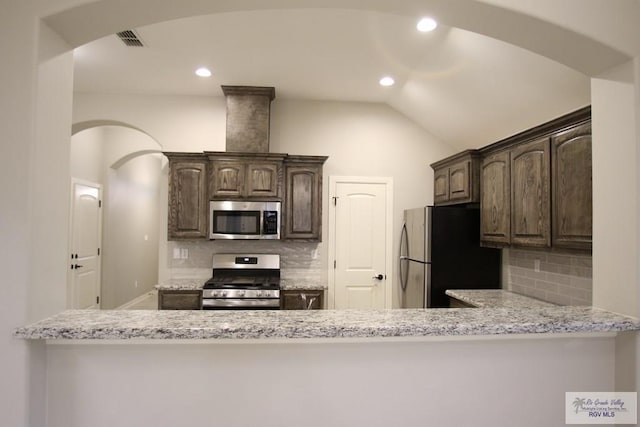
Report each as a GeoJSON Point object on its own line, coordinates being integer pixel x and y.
{"type": "Point", "coordinates": [188, 203]}
{"type": "Point", "coordinates": [245, 176]}
{"type": "Point", "coordinates": [456, 179]}
{"type": "Point", "coordinates": [530, 194]}
{"type": "Point", "coordinates": [536, 187]}
{"type": "Point", "coordinates": [495, 199]}
{"type": "Point", "coordinates": [302, 216]}
{"type": "Point", "coordinates": [572, 200]}
{"type": "Point", "coordinates": [196, 178]}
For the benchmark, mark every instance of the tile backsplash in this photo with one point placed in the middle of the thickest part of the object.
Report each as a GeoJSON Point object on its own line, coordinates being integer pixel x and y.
{"type": "Point", "coordinates": [564, 279]}
{"type": "Point", "coordinates": [298, 260]}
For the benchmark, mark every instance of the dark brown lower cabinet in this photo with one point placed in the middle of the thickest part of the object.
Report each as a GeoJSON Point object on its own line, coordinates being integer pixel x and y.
{"type": "Point", "coordinates": [301, 300]}
{"type": "Point", "coordinates": [179, 300]}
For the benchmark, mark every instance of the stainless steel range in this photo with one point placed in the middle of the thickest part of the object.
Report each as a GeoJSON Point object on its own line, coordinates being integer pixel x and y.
{"type": "Point", "coordinates": [243, 282]}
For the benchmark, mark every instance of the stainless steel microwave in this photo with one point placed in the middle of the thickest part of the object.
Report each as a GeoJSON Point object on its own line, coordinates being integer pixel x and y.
{"type": "Point", "coordinates": [244, 220]}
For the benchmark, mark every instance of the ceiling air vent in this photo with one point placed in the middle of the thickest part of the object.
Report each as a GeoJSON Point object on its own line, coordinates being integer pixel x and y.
{"type": "Point", "coordinates": [130, 38]}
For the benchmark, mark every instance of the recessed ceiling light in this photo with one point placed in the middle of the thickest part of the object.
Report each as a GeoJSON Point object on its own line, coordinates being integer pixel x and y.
{"type": "Point", "coordinates": [203, 72]}
{"type": "Point", "coordinates": [387, 81]}
{"type": "Point", "coordinates": [426, 25]}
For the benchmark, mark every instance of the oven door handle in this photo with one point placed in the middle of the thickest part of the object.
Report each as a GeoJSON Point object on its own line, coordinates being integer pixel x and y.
{"type": "Point", "coordinates": [240, 303]}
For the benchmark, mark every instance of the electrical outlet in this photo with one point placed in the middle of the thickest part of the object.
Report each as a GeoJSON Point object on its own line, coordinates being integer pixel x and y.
{"type": "Point", "coordinates": [536, 265]}
{"type": "Point", "coordinates": [135, 284]}
{"type": "Point", "coordinates": [184, 253]}
{"type": "Point", "coordinates": [176, 253]}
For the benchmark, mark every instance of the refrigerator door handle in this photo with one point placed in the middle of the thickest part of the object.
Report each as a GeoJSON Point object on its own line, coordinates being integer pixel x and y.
{"type": "Point", "coordinates": [427, 282]}
{"type": "Point", "coordinates": [406, 258]}
{"type": "Point", "coordinates": [403, 239]}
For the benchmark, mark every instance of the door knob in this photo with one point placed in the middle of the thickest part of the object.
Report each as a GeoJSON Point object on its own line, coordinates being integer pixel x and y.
{"type": "Point", "coordinates": [379, 277]}
{"type": "Point", "coordinates": [78, 266]}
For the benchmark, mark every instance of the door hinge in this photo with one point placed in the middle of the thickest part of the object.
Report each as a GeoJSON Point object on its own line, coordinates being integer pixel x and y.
{"type": "Point", "coordinates": [334, 264]}
{"type": "Point", "coordinates": [98, 300]}
{"type": "Point", "coordinates": [335, 201]}
{"type": "Point", "coordinates": [99, 203]}
{"type": "Point", "coordinates": [98, 251]}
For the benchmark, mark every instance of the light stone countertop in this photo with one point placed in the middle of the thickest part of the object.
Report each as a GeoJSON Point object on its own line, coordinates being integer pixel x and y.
{"type": "Point", "coordinates": [321, 324]}
{"type": "Point", "coordinates": [197, 284]}
{"type": "Point", "coordinates": [194, 284]}
{"type": "Point", "coordinates": [302, 285]}
{"type": "Point", "coordinates": [496, 298]}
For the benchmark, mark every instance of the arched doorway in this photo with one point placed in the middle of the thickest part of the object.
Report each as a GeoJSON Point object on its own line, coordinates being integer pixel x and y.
{"type": "Point", "coordinates": [127, 164]}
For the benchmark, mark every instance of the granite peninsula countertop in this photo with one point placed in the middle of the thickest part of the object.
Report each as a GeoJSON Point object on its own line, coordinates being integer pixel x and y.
{"type": "Point", "coordinates": [196, 284]}
{"type": "Point", "coordinates": [319, 324]}
{"type": "Point", "coordinates": [496, 298]}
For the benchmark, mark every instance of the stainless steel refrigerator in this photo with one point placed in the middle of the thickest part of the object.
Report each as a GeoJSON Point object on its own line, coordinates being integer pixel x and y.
{"type": "Point", "coordinates": [440, 250]}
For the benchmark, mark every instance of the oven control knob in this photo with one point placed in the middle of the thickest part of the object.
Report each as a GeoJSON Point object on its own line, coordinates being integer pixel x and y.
{"type": "Point", "coordinates": [224, 294]}
{"type": "Point", "coordinates": [259, 294]}
{"type": "Point", "coordinates": [240, 293]}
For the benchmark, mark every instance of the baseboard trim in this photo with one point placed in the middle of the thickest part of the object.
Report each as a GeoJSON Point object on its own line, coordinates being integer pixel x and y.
{"type": "Point", "coordinates": [137, 300]}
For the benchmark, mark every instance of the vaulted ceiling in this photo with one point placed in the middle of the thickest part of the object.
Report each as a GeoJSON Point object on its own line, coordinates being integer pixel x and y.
{"type": "Point", "coordinates": [464, 88]}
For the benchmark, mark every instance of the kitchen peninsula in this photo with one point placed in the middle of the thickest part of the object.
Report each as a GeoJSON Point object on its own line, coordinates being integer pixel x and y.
{"type": "Point", "coordinates": [353, 367]}
{"type": "Point", "coordinates": [322, 324]}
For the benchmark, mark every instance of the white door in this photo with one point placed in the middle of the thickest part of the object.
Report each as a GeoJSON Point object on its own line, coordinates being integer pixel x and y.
{"type": "Point", "coordinates": [86, 226]}
{"type": "Point", "coordinates": [360, 225]}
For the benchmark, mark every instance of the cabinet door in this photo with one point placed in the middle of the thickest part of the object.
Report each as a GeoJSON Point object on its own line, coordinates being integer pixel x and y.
{"type": "Point", "coordinates": [571, 176]}
{"type": "Point", "coordinates": [441, 186]}
{"type": "Point", "coordinates": [303, 208]}
{"type": "Point", "coordinates": [495, 200]}
{"type": "Point", "coordinates": [530, 210]}
{"type": "Point", "coordinates": [460, 181]}
{"type": "Point", "coordinates": [227, 179]}
{"type": "Point", "coordinates": [179, 300]}
{"type": "Point", "coordinates": [262, 179]}
{"type": "Point", "coordinates": [187, 200]}
{"type": "Point", "coordinates": [301, 300]}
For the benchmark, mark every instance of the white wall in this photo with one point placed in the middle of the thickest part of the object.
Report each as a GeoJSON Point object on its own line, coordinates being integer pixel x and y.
{"type": "Point", "coordinates": [87, 155]}
{"type": "Point", "coordinates": [615, 209]}
{"type": "Point", "coordinates": [485, 382]}
{"type": "Point", "coordinates": [130, 240]}
{"type": "Point", "coordinates": [17, 85]}
{"type": "Point", "coordinates": [35, 113]}
{"type": "Point", "coordinates": [49, 189]}
{"type": "Point", "coordinates": [188, 123]}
